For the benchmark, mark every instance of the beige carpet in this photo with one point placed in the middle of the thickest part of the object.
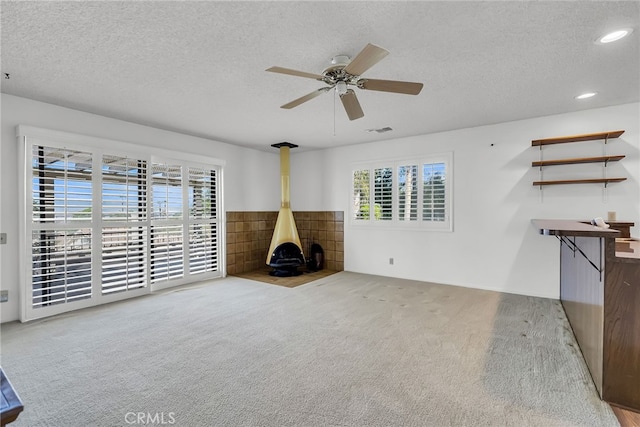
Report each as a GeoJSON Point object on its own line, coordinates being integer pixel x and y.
{"type": "Point", "coordinates": [345, 350]}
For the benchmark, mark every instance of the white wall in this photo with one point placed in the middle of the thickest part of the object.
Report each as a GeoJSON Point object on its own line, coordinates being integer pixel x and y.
{"type": "Point", "coordinates": [493, 245]}
{"type": "Point", "coordinates": [251, 177]}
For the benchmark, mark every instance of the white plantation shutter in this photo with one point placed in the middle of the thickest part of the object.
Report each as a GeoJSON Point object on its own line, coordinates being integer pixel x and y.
{"type": "Point", "coordinates": [203, 230]}
{"type": "Point", "coordinates": [124, 239]}
{"type": "Point", "coordinates": [61, 188]}
{"type": "Point", "coordinates": [203, 248]}
{"type": "Point", "coordinates": [103, 225]}
{"type": "Point", "coordinates": [408, 193]}
{"type": "Point", "coordinates": [167, 254]}
{"type": "Point", "coordinates": [124, 189]}
{"type": "Point", "coordinates": [420, 197]}
{"type": "Point", "coordinates": [166, 185]}
{"type": "Point", "coordinates": [383, 194]}
{"type": "Point", "coordinates": [61, 266]}
{"type": "Point", "coordinates": [361, 195]}
{"type": "Point", "coordinates": [202, 191]}
{"type": "Point", "coordinates": [433, 192]}
{"type": "Point", "coordinates": [61, 185]}
{"type": "Point", "coordinates": [124, 259]}
{"type": "Point", "coordinates": [167, 241]}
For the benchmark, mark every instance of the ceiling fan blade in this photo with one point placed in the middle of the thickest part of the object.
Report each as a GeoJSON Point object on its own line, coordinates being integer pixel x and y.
{"type": "Point", "coordinates": [291, 72]}
{"type": "Point", "coordinates": [367, 58]}
{"type": "Point", "coordinates": [351, 105]}
{"type": "Point", "coordinates": [305, 98]}
{"type": "Point", "coordinates": [408, 88]}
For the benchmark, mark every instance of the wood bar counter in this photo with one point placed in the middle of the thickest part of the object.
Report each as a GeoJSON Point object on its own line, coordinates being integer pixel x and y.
{"type": "Point", "coordinates": [600, 293]}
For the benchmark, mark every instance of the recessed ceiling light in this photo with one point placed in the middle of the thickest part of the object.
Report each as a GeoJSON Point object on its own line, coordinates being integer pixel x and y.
{"type": "Point", "coordinates": [614, 35]}
{"type": "Point", "coordinates": [586, 95]}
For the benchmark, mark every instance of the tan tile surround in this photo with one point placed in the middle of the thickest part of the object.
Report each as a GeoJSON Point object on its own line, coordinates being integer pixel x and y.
{"type": "Point", "coordinates": [249, 235]}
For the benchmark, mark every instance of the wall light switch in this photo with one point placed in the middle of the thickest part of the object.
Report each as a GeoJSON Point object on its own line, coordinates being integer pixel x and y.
{"type": "Point", "coordinates": [4, 296]}
{"type": "Point", "coordinates": [3, 238]}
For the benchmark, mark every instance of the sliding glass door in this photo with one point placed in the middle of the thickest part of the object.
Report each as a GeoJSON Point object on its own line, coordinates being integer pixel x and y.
{"type": "Point", "coordinates": [105, 224]}
{"type": "Point", "coordinates": [61, 226]}
{"type": "Point", "coordinates": [124, 226]}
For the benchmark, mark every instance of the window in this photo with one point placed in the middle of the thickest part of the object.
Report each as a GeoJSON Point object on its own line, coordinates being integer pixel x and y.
{"type": "Point", "coordinates": [61, 232]}
{"type": "Point", "coordinates": [106, 223]}
{"type": "Point", "coordinates": [412, 193]}
{"type": "Point", "coordinates": [433, 192]}
{"type": "Point", "coordinates": [361, 186]}
{"type": "Point", "coordinates": [167, 249]}
{"type": "Point", "coordinates": [408, 193]}
{"type": "Point", "coordinates": [383, 193]}
{"type": "Point", "coordinates": [203, 229]}
{"type": "Point", "coordinates": [124, 228]}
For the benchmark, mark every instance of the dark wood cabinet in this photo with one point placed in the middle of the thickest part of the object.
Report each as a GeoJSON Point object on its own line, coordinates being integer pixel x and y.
{"type": "Point", "coordinates": [600, 293]}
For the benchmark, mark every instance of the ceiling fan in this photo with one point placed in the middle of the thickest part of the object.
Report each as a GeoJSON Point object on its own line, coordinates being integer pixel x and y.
{"type": "Point", "coordinates": [343, 73]}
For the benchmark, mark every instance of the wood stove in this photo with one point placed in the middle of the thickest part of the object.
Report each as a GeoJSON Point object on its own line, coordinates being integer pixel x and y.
{"type": "Point", "coordinates": [285, 252]}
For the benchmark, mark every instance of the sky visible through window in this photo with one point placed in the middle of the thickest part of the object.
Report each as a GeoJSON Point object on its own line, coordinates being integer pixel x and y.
{"type": "Point", "coordinates": [168, 198]}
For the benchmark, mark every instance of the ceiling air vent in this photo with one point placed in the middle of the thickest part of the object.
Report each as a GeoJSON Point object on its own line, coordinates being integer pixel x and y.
{"type": "Point", "coordinates": [381, 130]}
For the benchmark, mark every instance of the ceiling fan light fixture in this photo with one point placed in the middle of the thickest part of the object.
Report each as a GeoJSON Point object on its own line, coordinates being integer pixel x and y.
{"type": "Point", "coordinates": [614, 36]}
{"type": "Point", "coordinates": [345, 72]}
{"type": "Point", "coordinates": [340, 60]}
{"type": "Point", "coordinates": [341, 87]}
{"type": "Point", "coordinates": [586, 95]}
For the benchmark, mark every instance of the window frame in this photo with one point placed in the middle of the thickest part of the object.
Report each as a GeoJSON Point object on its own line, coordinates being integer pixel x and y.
{"type": "Point", "coordinates": [419, 224]}
{"type": "Point", "coordinates": [29, 137]}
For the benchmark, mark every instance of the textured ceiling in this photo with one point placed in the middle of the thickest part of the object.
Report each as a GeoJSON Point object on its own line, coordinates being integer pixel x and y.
{"type": "Point", "coordinates": [198, 67]}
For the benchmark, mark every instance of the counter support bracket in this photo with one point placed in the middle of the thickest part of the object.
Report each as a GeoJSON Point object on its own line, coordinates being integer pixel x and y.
{"type": "Point", "coordinates": [571, 244]}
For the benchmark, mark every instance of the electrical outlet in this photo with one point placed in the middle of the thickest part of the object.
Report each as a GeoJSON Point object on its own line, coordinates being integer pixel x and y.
{"type": "Point", "coordinates": [390, 261]}
{"type": "Point", "coordinates": [3, 238]}
{"type": "Point", "coordinates": [4, 296]}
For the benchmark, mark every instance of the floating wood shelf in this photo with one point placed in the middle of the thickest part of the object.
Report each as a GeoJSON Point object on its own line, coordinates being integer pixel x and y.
{"type": "Point", "coordinates": [580, 181]}
{"type": "Point", "coordinates": [599, 159]}
{"type": "Point", "coordinates": [578, 138]}
{"type": "Point", "coordinates": [572, 161]}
